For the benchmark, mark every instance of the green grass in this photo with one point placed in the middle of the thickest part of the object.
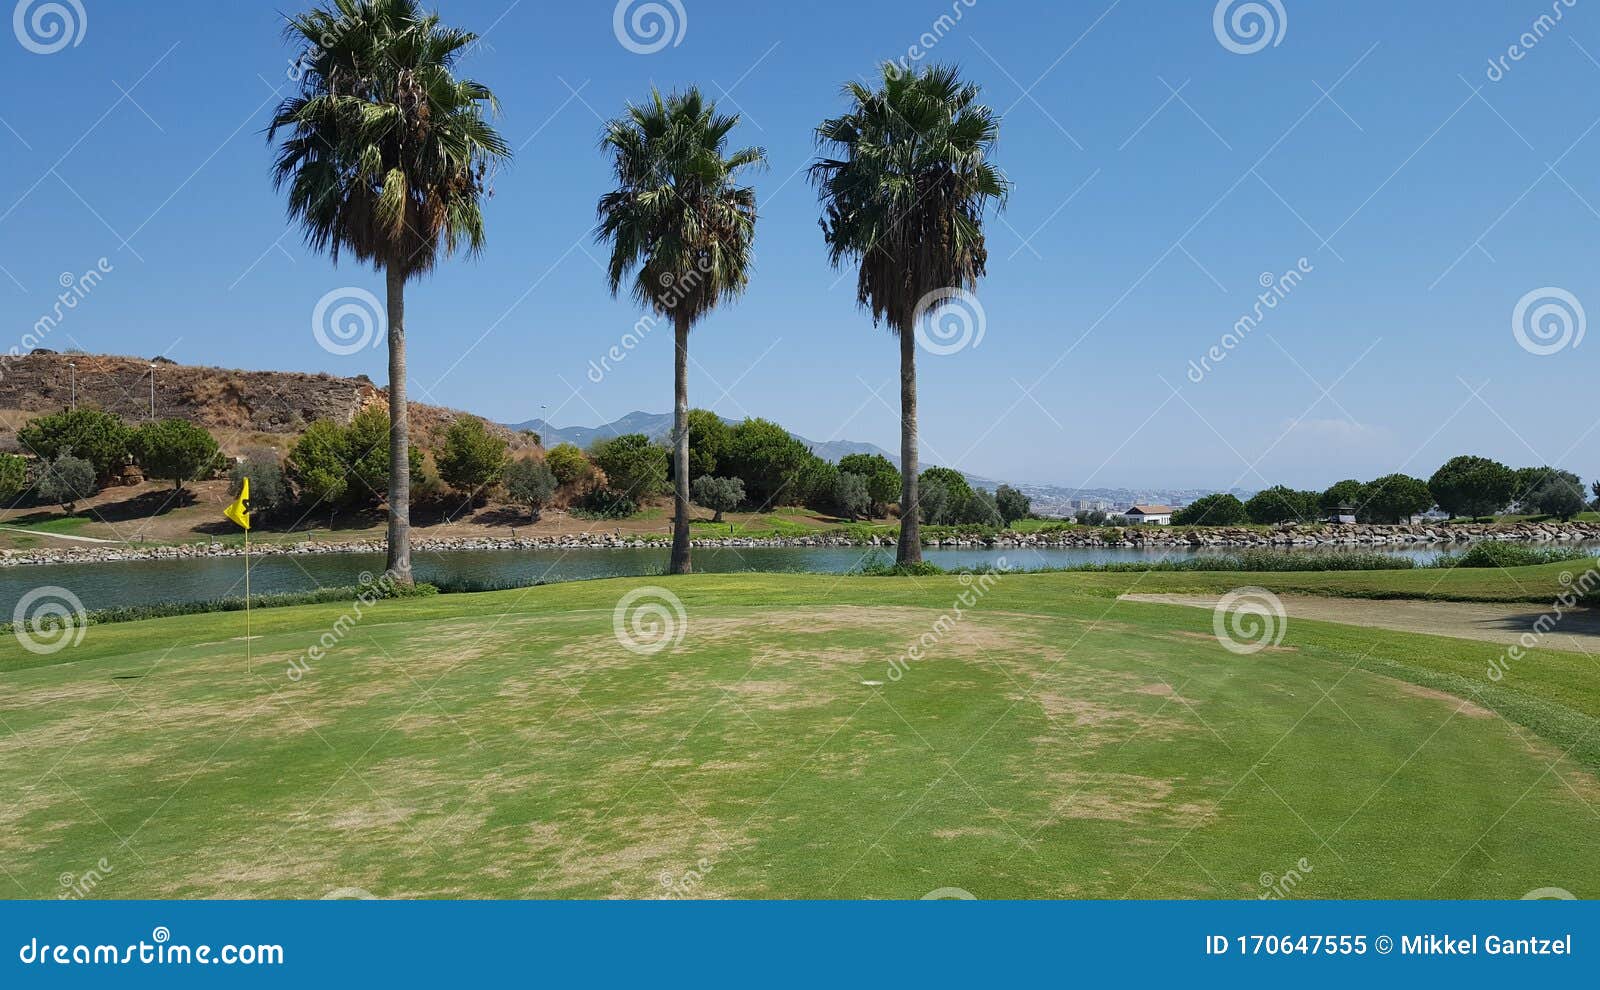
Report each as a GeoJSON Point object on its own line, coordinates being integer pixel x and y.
{"type": "Point", "coordinates": [1052, 742]}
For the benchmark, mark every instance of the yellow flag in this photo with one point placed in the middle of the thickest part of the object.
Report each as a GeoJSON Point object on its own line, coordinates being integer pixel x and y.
{"type": "Point", "coordinates": [239, 511]}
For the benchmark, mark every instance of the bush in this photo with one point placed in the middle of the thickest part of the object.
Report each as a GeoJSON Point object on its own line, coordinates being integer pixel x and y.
{"type": "Point", "coordinates": [97, 437]}
{"type": "Point", "coordinates": [317, 467]}
{"type": "Point", "coordinates": [174, 450]}
{"type": "Point", "coordinates": [634, 466]}
{"type": "Point", "coordinates": [709, 437]}
{"type": "Point", "coordinates": [1495, 553]}
{"type": "Point", "coordinates": [933, 502]}
{"type": "Point", "coordinates": [471, 457]}
{"type": "Point", "coordinates": [1220, 509]}
{"type": "Point", "coordinates": [268, 491]}
{"type": "Point", "coordinates": [366, 450]}
{"type": "Point", "coordinates": [346, 466]}
{"type": "Point", "coordinates": [717, 494]}
{"type": "Point", "coordinates": [1096, 517]}
{"type": "Point", "coordinates": [567, 462]}
{"type": "Point", "coordinates": [530, 483]}
{"type": "Point", "coordinates": [605, 503]}
{"type": "Point", "coordinates": [883, 567]}
{"type": "Point", "coordinates": [981, 509]}
{"type": "Point", "coordinates": [66, 481]}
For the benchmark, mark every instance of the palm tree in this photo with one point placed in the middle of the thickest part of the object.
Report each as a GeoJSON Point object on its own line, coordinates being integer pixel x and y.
{"type": "Point", "coordinates": [386, 155]}
{"type": "Point", "coordinates": [905, 200]}
{"type": "Point", "coordinates": [683, 226]}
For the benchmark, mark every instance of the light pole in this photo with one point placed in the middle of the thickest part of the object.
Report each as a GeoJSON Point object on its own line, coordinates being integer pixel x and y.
{"type": "Point", "coordinates": [74, 366]}
{"type": "Point", "coordinates": [152, 391]}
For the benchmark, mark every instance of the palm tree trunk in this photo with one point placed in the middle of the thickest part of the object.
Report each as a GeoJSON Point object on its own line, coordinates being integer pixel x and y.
{"type": "Point", "coordinates": [680, 450]}
{"type": "Point", "coordinates": [399, 562]}
{"type": "Point", "coordinates": [910, 549]}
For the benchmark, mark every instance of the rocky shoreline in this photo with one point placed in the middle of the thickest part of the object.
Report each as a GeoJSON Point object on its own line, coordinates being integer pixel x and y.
{"type": "Point", "coordinates": [1142, 537]}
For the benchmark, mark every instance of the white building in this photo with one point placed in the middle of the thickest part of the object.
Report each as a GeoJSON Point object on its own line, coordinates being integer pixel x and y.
{"type": "Point", "coordinates": [1151, 515]}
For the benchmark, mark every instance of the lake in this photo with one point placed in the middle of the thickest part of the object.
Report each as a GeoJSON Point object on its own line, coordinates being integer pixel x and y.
{"type": "Point", "coordinates": [106, 585]}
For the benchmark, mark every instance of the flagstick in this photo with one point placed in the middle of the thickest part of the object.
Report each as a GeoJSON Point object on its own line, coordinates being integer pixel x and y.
{"type": "Point", "coordinates": [247, 663]}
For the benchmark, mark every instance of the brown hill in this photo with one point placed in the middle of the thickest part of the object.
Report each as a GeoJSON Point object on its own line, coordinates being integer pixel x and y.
{"type": "Point", "coordinates": [240, 407]}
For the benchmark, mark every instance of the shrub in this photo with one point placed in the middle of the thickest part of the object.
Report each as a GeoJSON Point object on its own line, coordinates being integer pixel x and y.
{"type": "Point", "coordinates": [1220, 509]}
{"type": "Point", "coordinates": [97, 437]}
{"type": "Point", "coordinates": [567, 462]}
{"type": "Point", "coordinates": [316, 464]}
{"type": "Point", "coordinates": [709, 437]}
{"type": "Point", "coordinates": [1495, 553]}
{"type": "Point", "coordinates": [981, 509]}
{"type": "Point", "coordinates": [366, 452]}
{"type": "Point", "coordinates": [605, 503]}
{"type": "Point", "coordinates": [933, 502]}
{"type": "Point", "coordinates": [633, 465]}
{"type": "Point", "coordinates": [530, 483]}
{"type": "Point", "coordinates": [883, 567]}
{"type": "Point", "coordinates": [174, 450]}
{"type": "Point", "coordinates": [768, 460]}
{"type": "Point", "coordinates": [67, 480]}
{"type": "Point", "coordinates": [471, 457]}
{"type": "Point", "coordinates": [717, 494]}
{"type": "Point", "coordinates": [346, 466]}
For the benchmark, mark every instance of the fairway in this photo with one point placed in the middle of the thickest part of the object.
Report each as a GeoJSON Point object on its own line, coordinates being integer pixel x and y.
{"type": "Point", "coordinates": [1050, 741]}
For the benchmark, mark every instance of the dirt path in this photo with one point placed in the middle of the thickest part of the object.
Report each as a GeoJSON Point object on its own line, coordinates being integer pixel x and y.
{"type": "Point", "coordinates": [1577, 631]}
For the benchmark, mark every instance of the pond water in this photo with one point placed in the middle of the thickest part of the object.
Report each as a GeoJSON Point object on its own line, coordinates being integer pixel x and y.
{"type": "Point", "coordinates": [146, 582]}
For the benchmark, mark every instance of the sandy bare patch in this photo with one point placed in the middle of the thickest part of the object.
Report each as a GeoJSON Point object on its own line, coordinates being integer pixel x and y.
{"type": "Point", "coordinates": [1462, 705]}
{"type": "Point", "coordinates": [1120, 797]}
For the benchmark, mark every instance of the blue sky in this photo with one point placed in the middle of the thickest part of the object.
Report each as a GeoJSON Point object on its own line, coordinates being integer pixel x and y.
{"type": "Point", "coordinates": [1425, 198]}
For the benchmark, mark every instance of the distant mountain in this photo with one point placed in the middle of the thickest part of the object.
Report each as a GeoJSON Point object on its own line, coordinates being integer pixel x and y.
{"type": "Point", "coordinates": [658, 426]}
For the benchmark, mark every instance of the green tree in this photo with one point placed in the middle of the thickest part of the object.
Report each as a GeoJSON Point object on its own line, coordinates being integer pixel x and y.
{"type": "Point", "coordinates": [530, 483]}
{"type": "Point", "coordinates": [633, 465]}
{"type": "Point", "coordinates": [13, 476]}
{"type": "Point", "coordinates": [1012, 504]}
{"type": "Point", "coordinates": [905, 200]}
{"type": "Point", "coordinates": [1280, 504]}
{"type": "Point", "coordinates": [472, 456]}
{"type": "Point", "coordinates": [850, 496]}
{"type": "Point", "coordinates": [175, 450]}
{"type": "Point", "coordinates": [316, 465]}
{"type": "Point", "coordinates": [709, 437]}
{"type": "Point", "coordinates": [956, 490]}
{"type": "Point", "coordinates": [386, 155]}
{"type": "Point", "coordinates": [934, 505]}
{"type": "Point", "coordinates": [97, 437]}
{"type": "Point", "coordinates": [268, 491]}
{"type": "Point", "coordinates": [567, 462]}
{"type": "Point", "coordinates": [883, 478]}
{"type": "Point", "coordinates": [718, 494]}
{"type": "Point", "coordinates": [368, 455]}
{"type": "Point", "coordinates": [769, 461]}
{"type": "Point", "coordinates": [1349, 492]}
{"type": "Point", "coordinates": [1473, 486]}
{"type": "Point", "coordinates": [67, 480]}
{"type": "Point", "coordinates": [1220, 509]}
{"type": "Point", "coordinates": [1560, 494]}
{"type": "Point", "coordinates": [982, 509]}
{"type": "Point", "coordinates": [681, 223]}
{"type": "Point", "coordinates": [1395, 498]}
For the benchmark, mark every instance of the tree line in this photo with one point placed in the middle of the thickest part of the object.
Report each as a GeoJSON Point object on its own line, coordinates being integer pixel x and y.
{"type": "Point", "coordinates": [1467, 486]}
